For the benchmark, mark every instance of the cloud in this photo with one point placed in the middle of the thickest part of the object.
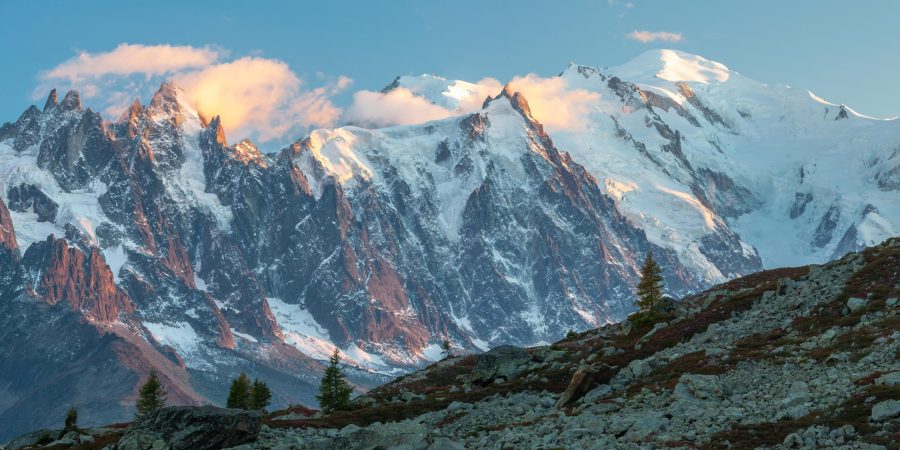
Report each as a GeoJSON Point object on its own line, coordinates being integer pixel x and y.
{"type": "Point", "coordinates": [554, 103]}
{"type": "Point", "coordinates": [401, 106]}
{"type": "Point", "coordinates": [261, 95]}
{"type": "Point", "coordinates": [128, 59]}
{"type": "Point", "coordinates": [396, 107]}
{"type": "Point", "coordinates": [653, 36]}
{"type": "Point", "coordinates": [255, 96]}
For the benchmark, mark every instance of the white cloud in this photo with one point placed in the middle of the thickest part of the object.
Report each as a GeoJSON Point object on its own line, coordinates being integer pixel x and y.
{"type": "Point", "coordinates": [396, 107]}
{"type": "Point", "coordinates": [653, 36]}
{"type": "Point", "coordinates": [255, 96]}
{"type": "Point", "coordinates": [552, 101]}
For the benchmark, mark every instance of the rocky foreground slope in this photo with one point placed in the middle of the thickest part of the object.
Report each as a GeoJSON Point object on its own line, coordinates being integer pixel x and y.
{"type": "Point", "coordinates": [805, 357]}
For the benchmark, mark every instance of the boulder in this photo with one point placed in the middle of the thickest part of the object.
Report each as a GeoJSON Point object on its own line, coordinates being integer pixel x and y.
{"type": "Point", "coordinates": [696, 397]}
{"type": "Point", "coordinates": [502, 361]}
{"type": "Point", "coordinates": [192, 427]}
{"type": "Point", "coordinates": [885, 410]}
{"type": "Point", "coordinates": [597, 393]}
{"type": "Point", "coordinates": [855, 304]}
{"type": "Point", "coordinates": [796, 402]}
{"type": "Point", "coordinates": [889, 379]}
{"type": "Point", "coordinates": [645, 425]}
{"type": "Point", "coordinates": [582, 381]}
{"type": "Point", "coordinates": [642, 367]}
{"type": "Point", "coordinates": [698, 387]}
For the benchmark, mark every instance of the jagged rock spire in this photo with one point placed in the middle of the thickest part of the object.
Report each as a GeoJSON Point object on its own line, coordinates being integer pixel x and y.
{"type": "Point", "coordinates": [71, 102]}
{"type": "Point", "coordinates": [52, 100]}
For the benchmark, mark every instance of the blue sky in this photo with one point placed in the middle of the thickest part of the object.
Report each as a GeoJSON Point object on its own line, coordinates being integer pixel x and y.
{"type": "Point", "coordinates": [845, 52]}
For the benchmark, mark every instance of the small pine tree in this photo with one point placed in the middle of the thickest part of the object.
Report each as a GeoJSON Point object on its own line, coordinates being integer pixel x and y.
{"type": "Point", "coordinates": [240, 392]}
{"type": "Point", "coordinates": [259, 395]}
{"type": "Point", "coordinates": [334, 392]}
{"type": "Point", "coordinates": [446, 348]}
{"type": "Point", "coordinates": [650, 288]}
{"type": "Point", "coordinates": [71, 423]}
{"type": "Point", "coordinates": [152, 395]}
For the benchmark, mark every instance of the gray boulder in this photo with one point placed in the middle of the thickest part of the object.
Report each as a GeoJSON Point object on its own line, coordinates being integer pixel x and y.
{"type": "Point", "coordinates": [885, 410]}
{"type": "Point", "coordinates": [855, 304]}
{"type": "Point", "coordinates": [889, 379]}
{"type": "Point", "coordinates": [796, 402]}
{"type": "Point", "coordinates": [502, 361]}
{"type": "Point", "coordinates": [192, 427]}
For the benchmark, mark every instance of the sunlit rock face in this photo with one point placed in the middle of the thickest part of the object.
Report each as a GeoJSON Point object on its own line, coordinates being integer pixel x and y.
{"type": "Point", "coordinates": [151, 243]}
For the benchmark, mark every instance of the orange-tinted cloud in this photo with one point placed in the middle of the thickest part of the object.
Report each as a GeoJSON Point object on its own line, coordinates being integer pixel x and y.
{"type": "Point", "coordinates": [653, 36]}
{"type": "Point", "coordinates": [262, 95]}
{"type": "Point", "coordinates": [127, 59]}
{"type": "Point", "coordinates": [554, 103]}
{"type": "Point", "coordinates": [253, 95]}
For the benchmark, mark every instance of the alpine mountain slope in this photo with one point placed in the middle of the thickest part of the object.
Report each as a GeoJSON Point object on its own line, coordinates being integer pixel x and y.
{"type": "Point", "coordinates": [148, 242]}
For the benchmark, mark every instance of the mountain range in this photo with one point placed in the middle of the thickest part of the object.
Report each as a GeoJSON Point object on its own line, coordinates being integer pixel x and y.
{"type": "Point", "coordinates": [150, 243]}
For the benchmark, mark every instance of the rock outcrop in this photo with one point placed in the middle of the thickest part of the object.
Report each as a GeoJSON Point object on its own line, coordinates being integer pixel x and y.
{"type": "Point", "coordinates": [191, 428]}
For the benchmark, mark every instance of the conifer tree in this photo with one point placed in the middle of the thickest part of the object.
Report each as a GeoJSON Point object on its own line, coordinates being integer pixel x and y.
{"type": "Point", "coordinates": [334, 392]}
{"type": "Point", "coordinates": [259, 395]}
{"type": "Point", "coordinates": [650, 288]}
{"type": "Point", "coordinates": [152, 395]}
{"type": "Point", "coordinates": [240, 392]}
{"type": "Point", "coordinates": [446, 348]}
{"type": "Point", "coordinates": [71, 423]}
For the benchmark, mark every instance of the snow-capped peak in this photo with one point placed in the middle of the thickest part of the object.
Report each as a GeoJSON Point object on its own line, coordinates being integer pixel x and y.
{"type": "Point", "coordinates": [674, 66]}
{"type": "Point", "coordinates": [170, 101]}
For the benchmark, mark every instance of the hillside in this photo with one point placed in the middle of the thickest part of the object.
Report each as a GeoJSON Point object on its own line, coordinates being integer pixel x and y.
{"type": "Point", "coordinates": [786, 358]}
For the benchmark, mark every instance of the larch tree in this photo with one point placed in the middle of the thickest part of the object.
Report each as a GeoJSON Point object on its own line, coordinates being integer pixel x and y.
{"type": "Point", "coordinates": [152, 395]}
{"type": "Point", "coordinates": [650, 288]}
{"type": "Point", "coordinates": [334, 392]}
{"type": "Point", "coordinates": [240, 392]}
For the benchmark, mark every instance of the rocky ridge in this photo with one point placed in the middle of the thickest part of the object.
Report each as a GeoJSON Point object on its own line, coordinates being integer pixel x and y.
{"type": "Point", "coordinates": [805, 357]}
